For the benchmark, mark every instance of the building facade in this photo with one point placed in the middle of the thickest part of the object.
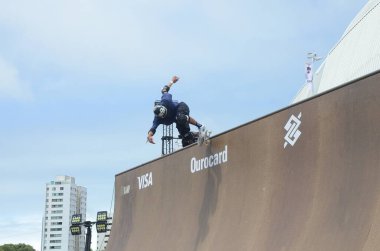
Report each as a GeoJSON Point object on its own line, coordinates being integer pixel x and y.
{"type": "Point", "coordinates": [102, 239]}
{"type": "Point", "coordinates": [63, 199]}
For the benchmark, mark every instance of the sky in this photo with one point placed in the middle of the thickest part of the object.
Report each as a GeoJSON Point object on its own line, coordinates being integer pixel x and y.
{"type": "Point", "coordinates": [78, 80]}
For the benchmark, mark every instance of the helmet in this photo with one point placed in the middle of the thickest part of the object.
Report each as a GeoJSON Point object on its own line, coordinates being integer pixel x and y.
{"type": "Point", "coordinates": [160, 111]}
{"type": "Point", "coordinates": [182, 119]}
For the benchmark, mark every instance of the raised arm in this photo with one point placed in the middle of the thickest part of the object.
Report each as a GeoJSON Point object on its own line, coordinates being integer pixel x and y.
{"type": "Point", "coordinates": [166, 88]}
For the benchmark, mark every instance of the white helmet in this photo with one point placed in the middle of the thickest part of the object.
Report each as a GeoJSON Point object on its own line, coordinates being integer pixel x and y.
{"type": "Point", "coordinates": [160, 111]}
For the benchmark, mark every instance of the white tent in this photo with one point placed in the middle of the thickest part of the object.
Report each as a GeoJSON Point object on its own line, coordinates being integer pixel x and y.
{"type": "Point", "coordinates": [356, 54]}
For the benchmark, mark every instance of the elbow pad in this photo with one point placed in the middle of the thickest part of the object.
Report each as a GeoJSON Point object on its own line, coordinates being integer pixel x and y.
{"type": "Point", "coordinates": [165, 89]}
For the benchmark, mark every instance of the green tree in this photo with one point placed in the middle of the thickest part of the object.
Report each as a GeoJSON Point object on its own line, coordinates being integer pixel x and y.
{"type": "Point", "coordinates": [16, 247]}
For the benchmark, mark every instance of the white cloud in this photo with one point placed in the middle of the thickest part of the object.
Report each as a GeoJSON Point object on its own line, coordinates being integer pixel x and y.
{"type": "Point", "coordinates": [25, 229]}
{"type": "Point", "coordinates": [10, 84]}
{"type": "Point", "coordinates": [87, 34]}
{"type": "Point", "coordinates": [141, 38]}
{"type": "Point", "coordinates": [131, 38]}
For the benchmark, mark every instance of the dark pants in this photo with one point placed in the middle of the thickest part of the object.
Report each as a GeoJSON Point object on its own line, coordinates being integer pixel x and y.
{"type": "Point", "coordinates": [183, 129]}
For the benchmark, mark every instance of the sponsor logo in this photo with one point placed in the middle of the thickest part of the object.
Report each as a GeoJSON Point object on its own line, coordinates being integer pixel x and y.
{"type": "Point", "coordinates": [126, 189]}
{"type": "Point", "coordinates": [209, 161]}
{"type": "Point", "coordinates": [145, 180]}
{"type": "Point", "coordinates": [291, 127]}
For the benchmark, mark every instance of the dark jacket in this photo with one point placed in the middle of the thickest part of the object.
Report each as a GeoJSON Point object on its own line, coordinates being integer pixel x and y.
{"type": "Point", "coordinates": [171, 106]}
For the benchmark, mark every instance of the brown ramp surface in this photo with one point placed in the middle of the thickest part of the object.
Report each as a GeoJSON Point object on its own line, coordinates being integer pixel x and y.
{"type": "Point", "coordinates": [304, 178]}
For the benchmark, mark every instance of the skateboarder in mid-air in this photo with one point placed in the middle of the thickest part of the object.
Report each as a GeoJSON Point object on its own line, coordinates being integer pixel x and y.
{"type": "Point", "coordinates": [168, 111]}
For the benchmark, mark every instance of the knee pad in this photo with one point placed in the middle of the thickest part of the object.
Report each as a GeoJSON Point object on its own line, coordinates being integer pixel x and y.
{"type": "Point", "coordinates": [182, 119]}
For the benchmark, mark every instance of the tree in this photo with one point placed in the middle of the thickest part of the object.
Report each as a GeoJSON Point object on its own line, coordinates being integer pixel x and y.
{"type": "Point", "coordinates": [16, 247]}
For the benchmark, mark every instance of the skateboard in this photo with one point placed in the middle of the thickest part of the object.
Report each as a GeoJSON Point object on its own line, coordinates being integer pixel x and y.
{"type": "Point", "coordinates": [203, 136]}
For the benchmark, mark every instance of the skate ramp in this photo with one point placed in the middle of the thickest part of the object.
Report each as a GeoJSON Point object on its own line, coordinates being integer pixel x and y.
{"type": "Point", "coordinates": [312, 186]}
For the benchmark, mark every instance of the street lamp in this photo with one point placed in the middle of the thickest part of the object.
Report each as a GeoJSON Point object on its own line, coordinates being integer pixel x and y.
{"type": "Point", "coordinates": [101, 226]}
{"type": "Point", "coordinates": [313, 56]}
{"type": "Point", "coordinates": [101, 222]}
{"type": "Point", "coordinates": [75, 227]}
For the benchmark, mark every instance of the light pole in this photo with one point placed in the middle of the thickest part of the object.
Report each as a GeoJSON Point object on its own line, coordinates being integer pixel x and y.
{"type": "Point", "coordinates": [88, 225]}
{"type": "Point", "coordinates": [309, 69]}
{"type": "Point", "coordinates": [101, 226]}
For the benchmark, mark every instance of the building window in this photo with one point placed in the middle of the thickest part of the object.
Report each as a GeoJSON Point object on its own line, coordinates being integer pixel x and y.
{"type": "Point", "coordinates": [61, 188]}
{"type": "Point", "coordinates": [56, 229]}
{"type": "Point", "coordinates": [56, 235]}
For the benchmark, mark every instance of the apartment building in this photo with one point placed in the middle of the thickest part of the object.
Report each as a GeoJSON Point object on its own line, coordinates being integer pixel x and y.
{"type": "Point", "coordinates": [63, 199]}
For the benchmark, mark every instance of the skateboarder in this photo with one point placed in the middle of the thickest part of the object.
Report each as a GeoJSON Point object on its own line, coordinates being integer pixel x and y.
{"type": "Point", "coordinates": [168, 111]}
